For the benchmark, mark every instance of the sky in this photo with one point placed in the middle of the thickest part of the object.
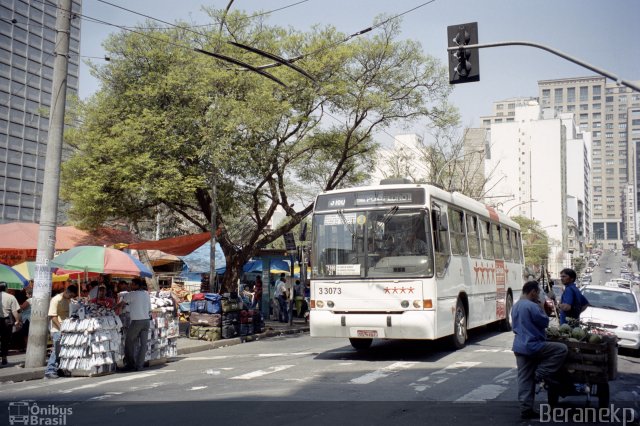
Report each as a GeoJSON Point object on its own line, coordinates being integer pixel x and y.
{"type": "Point", "coordinates": [600, 32]}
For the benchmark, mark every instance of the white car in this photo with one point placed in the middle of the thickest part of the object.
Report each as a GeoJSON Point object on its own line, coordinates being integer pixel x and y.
{"type": "Point", "coordinates": [614, 308]}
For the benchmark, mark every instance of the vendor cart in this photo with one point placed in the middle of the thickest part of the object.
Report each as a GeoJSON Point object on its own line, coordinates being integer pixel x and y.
{"type": "Point", "coordinates": [586, 371]}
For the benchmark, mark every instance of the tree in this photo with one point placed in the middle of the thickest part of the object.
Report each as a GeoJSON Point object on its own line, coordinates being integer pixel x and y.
{"type": "Point", "coordinates": [535, 244]}
{"type": "Point", "coordinates": [167, 121]}
{"type": "Point", "coordinates": [446, 158]}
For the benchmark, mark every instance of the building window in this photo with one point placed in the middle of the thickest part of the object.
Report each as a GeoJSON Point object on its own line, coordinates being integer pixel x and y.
{"type": "Point", "coordinates": [584, 107]}
{"type": "Point", "coordinates": [608, 99]}
{"type": "Point", "coordinates": [571, 94]}
{"type": "Point", "coordinates": [584, 93]}
{"type": "Point", "coordinates": [511, 106]}
{"type": "Point", "coordinates": [546, 93]}
{"type": "Point", "coordinates": [571, 108]}
{"type": "Point", "coordinates": [558, 96]}
{"type": "Point", "coordinates": [500, 106]}
{"type": "Point", "coordinates": [596, 106]}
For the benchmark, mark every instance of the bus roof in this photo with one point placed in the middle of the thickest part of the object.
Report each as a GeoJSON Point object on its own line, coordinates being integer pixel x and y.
{"type": "Point", "coordinates": [456, 198]}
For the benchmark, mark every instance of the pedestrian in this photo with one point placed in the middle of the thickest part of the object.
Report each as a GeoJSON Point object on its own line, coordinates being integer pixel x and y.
{"type": "Point", "coordinates": [102, 299]}
{"type": "Point", "coordinates": [137, 333]}
{"type": "Point", "coordinates": [282, 296]}
{"type": "Point", "coordinates": [93, 289]}
{"type": "Point", "coordinates": [9, 316]}
{"type": "Point", "coordinates": [537, 360]}
{"type": "Point", "coordinates": [58, 312]}
{"type": "Point", "coordinates": [572, 302]}
{"type": "Point", "coordinates": [25, 314]}
{"type": "Point", "coordinates": [257, 294]}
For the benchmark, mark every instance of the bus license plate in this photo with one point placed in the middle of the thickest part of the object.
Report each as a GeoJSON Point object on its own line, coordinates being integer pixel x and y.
{"type": "Point", "coordinates": [367, 333]}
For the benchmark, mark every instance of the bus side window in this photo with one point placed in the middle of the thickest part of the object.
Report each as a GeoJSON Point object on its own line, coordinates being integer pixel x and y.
{"type": "Point", "coordinates": [517, 255]}
{"type": "Point", "coordinates": [487, 245]}
{"type": "Point", "coordinates": [441, 248]}
{"type": "Point", "coordinates": [497, 241]}
{"type": "Point", "coordinates": [506, 240]}
{"type": "Point", "coordinates": [458, 241]}
{"type": "Point", "coordinates": [473, 236]}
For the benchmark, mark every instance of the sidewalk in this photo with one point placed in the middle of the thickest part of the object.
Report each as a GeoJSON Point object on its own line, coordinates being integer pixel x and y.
{"type": "Point", "coordinates": [15, 372]}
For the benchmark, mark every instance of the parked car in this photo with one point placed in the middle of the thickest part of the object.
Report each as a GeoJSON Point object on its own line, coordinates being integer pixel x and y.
{"type": "Point", "coordinates": [615, 308]}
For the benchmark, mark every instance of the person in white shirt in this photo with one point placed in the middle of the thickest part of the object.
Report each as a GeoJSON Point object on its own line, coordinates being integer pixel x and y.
{"type": "Point", "coordinates": [281, 295]}
{"type": "Point", "coordinates": [9, 316]}
{"type": "Point", "coordinates": [139, 305]}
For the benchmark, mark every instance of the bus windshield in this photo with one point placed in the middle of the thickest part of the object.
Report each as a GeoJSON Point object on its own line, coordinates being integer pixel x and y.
{"type": "Point", "coordinates": [388, 243]}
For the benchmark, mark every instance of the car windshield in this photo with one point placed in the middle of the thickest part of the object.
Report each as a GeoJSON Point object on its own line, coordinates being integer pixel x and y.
{"type": "Point", "coordinates": [608, 299]}
{"type": "Point", "coordinates": [375, 243]}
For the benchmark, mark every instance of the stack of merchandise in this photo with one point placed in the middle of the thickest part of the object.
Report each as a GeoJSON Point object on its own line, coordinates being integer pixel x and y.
{"type": "Point", "coordinates": [164, 330]}
{"type": "Point", "coordinates": [246, 322]}
{"type": "Point", "coordinates": [91, 341]}
{"type": "Point", "coordinates": [230, 324]}
{"type": "Point", "coordinates": [205, 318]}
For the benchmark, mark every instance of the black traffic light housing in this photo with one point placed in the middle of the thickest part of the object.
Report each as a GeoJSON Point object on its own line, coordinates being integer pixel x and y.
{"type": "Point", "coordinates": [464, 63]}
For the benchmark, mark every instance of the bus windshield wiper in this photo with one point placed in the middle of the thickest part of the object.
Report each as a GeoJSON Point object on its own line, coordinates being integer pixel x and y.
{"type": "Point", "coordinates": [388, 215]}
{"type": "Point", "coordinates": [348, 225]}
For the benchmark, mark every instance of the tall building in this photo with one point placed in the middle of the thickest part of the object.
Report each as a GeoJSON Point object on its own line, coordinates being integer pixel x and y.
{"type": "Point", "coordinates": [529, 174]}
{"type": "Point", "coordinates": [607, 111]}
{"type": "Point", "coordinates": [27, 42]}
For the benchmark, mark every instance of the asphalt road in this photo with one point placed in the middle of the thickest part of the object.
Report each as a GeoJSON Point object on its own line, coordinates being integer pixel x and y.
{"type": "Point", "coordinates": [298, 380]}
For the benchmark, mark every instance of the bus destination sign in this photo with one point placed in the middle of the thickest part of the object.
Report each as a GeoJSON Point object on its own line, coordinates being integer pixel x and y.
{"type": "Point", "coordinates": [381, 197]}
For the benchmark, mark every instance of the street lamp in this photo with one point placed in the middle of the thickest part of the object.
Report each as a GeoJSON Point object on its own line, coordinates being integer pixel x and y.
{"type": "Point", "coordinates": [437, 180]}
{"type": "Point", "coordinates": [519, 204]}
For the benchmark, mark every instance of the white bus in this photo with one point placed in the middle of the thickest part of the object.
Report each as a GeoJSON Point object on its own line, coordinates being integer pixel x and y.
{"type": "Point", "coordinates": [371, 279]}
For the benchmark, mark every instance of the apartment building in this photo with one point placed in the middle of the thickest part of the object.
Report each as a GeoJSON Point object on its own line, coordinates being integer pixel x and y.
{"type": "Point", "coordinates": [27, 42]}
{"type": "Point", "coordinates": [607, 111]}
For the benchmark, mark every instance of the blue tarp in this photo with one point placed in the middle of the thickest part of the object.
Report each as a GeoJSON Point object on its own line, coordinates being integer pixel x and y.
{"type": "Point", "coordinates": [256, 265]}
{"type": "Point", "coordinates": [198, 262]}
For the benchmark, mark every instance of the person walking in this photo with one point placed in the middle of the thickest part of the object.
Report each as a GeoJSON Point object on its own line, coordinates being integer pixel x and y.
{"type": "Point", "coordinates": [9, 316]}
{"type": "Point", "coordinates": [138, 331]}
{"type": "Point", "coordinates": [257, 294]}
{"type": "Point", "coordinates": [536, 358]}
{"type": "Point", "coordinates": [281, 294]}
{"type": "Point", "coordinates": [572, 301]}
{"type": "Point", "coordinates": [58, 312]}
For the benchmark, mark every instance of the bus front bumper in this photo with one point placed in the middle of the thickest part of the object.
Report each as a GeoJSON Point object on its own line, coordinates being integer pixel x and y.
{"type": "Point", "coordinates": [406, 325]}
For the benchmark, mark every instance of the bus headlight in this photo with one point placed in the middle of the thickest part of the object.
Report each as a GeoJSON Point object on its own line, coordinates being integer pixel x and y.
{"type": "Point", "coordinates": [330, 304]}
{"type": "Point", "coordinates": [417, 304]}
{"type": "Point", "coordinates": [404, 303]}
{"type": "Point", "coordinates": [319, 303]}
{"type": "Point", "coordinates": [630, 327]}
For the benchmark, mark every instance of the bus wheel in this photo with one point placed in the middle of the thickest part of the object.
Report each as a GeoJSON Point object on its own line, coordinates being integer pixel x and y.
{"type": "Point", "coordinates": [361, 344]}
{"type": "Point", "coordinates": [459, 326]}
{"type": "Point", "coordinates": [505, 324]}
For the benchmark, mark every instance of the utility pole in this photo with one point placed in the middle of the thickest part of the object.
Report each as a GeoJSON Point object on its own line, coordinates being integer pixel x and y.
{"type": "Point", "coordinates": [213, 279]}
{"type": "Point", "coordinates": [37, 347]}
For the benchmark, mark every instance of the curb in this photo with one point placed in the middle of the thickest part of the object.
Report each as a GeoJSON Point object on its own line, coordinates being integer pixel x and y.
{"type": "Point", "coordinates": [38, 373]}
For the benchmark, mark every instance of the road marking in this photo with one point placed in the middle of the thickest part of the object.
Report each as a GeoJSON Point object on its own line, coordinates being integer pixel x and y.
{"type": "Point", "coordinates": [382, 373]}
{"type": "Point", "coordinates": [116, 380]}
{"type": "Point", "coordinates": [443, 375]}
{"type": "Point", "coordinates": [259, 373]}
{"type": "Point", "coordinates": [482, 393]}
{"type": "Point", "coordinates": [8, 387]}
{"type": "Point", "coordinates": [197, 388]}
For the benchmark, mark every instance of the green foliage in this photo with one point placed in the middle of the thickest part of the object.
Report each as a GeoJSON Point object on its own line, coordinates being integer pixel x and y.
{"type": "Point", "coordinates": [535, 242]}
{"type": "Point", "coordinates": [168, 122]}
{"type": "Point", "coordinates": [634, 253]}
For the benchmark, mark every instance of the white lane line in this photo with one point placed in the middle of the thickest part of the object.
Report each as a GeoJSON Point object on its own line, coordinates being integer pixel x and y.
{"type": "Point", "coordinates": [197, 388]}
{"type": "Point", "coordinates": [116, 380]}
{"type": "Point", "coordinates": [485, 393]}
{"type": "Point", "coordinates": [382, 373]}
{"type": "Point", "coordinates": [442, 375]}
{"type": "Point", "coordinates": [13, 387]}
{"type": "Point", "coordinates": [482, 393]}
{"type": "Point", "coordinates": [205, 358]}
{"type": "Point", "coordinates": [259, 373]}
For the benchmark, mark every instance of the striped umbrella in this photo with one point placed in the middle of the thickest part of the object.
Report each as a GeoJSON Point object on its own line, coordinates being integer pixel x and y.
{"type": "Point", "coordinates": [27, 270]}
{"type": "Point", "coordinates": [102, 260]}
{"type": "Point", "coordinates": [13, 278]}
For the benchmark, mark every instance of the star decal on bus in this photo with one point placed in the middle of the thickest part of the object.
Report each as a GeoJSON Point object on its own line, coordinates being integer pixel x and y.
{"type": "Point", "coordinates": [396, 290]}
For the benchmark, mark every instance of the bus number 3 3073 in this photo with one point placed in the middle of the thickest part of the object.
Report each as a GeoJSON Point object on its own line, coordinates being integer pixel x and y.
{"type": "Point", "coordinates": [329, 290]}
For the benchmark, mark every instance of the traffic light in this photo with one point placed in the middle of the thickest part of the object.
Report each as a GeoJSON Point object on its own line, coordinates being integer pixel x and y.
{"type": "Point", "coordinates": [464, 63]}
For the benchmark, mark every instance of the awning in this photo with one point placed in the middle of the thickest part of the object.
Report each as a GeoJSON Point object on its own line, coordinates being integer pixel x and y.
{"type": "Point", "coordinates": [179, 246]}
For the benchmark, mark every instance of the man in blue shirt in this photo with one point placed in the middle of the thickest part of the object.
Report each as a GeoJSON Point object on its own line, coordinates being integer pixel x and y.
{"type": "Point", "coordinates": [572, 302]}
{"type": "Point", "coordinates": [536, 358]}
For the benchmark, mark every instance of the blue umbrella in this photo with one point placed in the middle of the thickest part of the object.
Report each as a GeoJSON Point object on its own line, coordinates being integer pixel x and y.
{"type": "Point", "coordinates": [13, 278]}
{"type": "Point", "coordinates": [199, 260]}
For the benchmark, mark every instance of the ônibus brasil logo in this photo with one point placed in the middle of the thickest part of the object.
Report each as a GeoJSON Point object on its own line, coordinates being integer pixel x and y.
{"type": "Point", "coordinates": [30, 413]}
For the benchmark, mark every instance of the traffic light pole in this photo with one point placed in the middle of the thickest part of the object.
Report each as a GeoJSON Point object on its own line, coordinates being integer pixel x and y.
{"type": "Point", "coordinates": [555, 52]}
